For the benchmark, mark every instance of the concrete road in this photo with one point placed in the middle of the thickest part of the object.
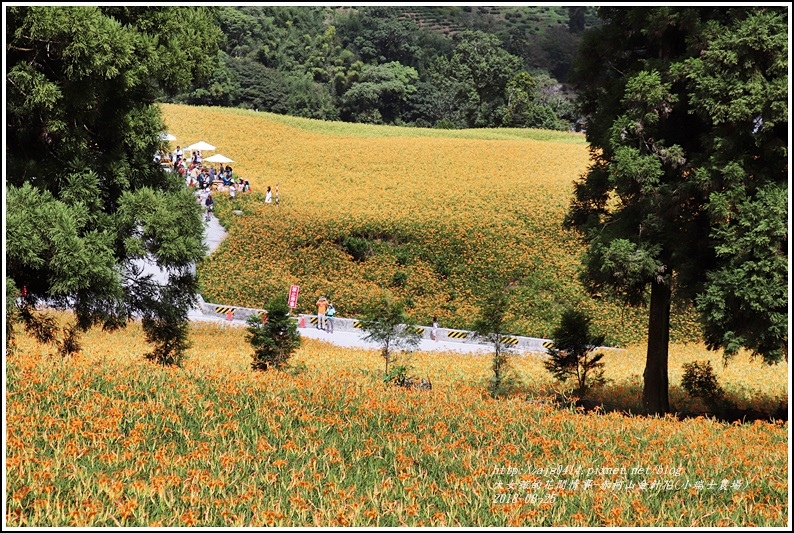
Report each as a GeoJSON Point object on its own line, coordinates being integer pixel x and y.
{"type": "Point", "coordinates": [214, 234]}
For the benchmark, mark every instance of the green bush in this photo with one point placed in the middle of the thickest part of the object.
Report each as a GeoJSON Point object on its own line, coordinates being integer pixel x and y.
{"type": "Point", "coordinates": [572, 354]}
{"type": "Point", "coordinates": [491, 325]}
{"type": "Point", "coordinates": [699, 381]}
{"type": "Point", "coordinates": [359, 248]}
{"type": "Point", "coordinates": [445, 124]}
{"type": "Point", "coordinates": [274, 337]}
{"type": "Point", "coordinates": [399, 278]}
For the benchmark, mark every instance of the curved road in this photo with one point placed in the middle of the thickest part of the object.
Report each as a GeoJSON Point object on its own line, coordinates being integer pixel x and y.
{"type": "Point", "coordinates": [214, 234]}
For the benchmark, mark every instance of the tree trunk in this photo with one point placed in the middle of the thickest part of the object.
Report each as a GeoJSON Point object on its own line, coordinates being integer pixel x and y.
{"type": "Point", "coordinates": [654, 395]}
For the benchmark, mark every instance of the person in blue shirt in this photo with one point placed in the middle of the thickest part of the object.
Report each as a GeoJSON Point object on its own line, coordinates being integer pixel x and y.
{"type": "Point", "coordinates": [330, 313]}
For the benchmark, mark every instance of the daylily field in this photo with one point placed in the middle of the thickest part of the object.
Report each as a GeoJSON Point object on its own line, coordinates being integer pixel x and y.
{"type": "Point", "coordinates": [441, 214]}
{"type": "Point", "coordinates": [106, 438]}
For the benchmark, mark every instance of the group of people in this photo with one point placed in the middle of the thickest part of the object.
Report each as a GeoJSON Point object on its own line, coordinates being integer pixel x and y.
{"type": "Point", "coordinates": [177, 158]}
{"type": "Point", "coordinates": [325, 314]}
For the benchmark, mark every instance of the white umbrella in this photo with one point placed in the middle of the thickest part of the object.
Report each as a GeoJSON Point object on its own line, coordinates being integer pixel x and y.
{"type": "Point", "coordinates": [167, 137]}
{"type": "Point", "coordinates": [201, 145]}
{"type": "Point", "coordinates": [218, 158]}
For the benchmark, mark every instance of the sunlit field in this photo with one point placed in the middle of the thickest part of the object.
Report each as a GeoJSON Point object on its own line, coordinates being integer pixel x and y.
{"type": "Point", "coordinates": [106, 438]}
{"type": "Point", "coordinates": [433, 216]}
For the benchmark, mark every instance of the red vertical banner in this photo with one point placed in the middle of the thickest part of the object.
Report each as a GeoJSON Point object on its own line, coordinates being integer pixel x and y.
{"type": "Point", "coordinates": [293, 296]}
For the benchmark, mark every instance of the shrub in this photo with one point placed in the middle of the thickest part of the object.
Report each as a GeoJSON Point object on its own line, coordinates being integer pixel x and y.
{"type": "Point", "coordinates": [274, 337]}
{"type": "Point", "coordinates": [359, 248]}
{"type": "Point", "coordinates": [400, 376]}
{"type": "Point", "coordinates": [165, 322]}
{"type": "Point", "coordinates": [572, 354]}
{"type": "Point", "coordinates": [385, 322]}
{"type": "Point", "coordinates": [490, 325]}
{"type": "Point", "coordinates": [699, 381]}
{"type": "Point", "coordinates": [399, 278]}
{"type": "Point", "coordinates": [170, 336]}
{"type": "Point", "coordinates": [445, 124]}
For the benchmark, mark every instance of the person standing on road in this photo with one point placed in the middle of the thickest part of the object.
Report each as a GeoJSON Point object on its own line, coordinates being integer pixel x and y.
{"type": "Point", "coordinates": [322, 306]}
{"type": "Point", "coordinates": [209, 203]}
{"type": "Point", "coordinates": [434, 331]}
{"type": "Point", "coordinates": [330, 313]}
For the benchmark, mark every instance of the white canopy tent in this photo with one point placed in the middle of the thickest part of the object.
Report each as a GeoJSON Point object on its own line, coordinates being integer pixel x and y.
{"type": "Point", "coordinates": [164, 136]}
{"type": "Point", "coordinates": [201, 145]}
{"type": "Point", "coordinates": [218, 158]}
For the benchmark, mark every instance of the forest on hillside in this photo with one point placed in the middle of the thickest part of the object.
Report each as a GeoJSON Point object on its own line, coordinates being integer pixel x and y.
{"type": "Point", "coordinates": [423, 66]}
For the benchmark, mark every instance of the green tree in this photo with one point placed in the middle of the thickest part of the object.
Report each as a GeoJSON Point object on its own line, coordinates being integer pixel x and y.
{"type": "Point", "coordinates": [385, 322]}
{"type": "Point", "coordinates": [380, 92]}
{"type": "Point", "coordinates": [274, 336]}
{"type": "Point", "coordinates": [519, 95]}
{"type": "Point", "coordinates": [377, 35]}
{"type": "Point", "coordinates": [688, 119]}
{"type": "Point", "coordinates": [85, 202]}
{"type": "Point", "coordinates": [572, 355]}
{"type": "Point", "coordinates": [486, 67]}
{"type": "Point", "coordinates": [491, 325]}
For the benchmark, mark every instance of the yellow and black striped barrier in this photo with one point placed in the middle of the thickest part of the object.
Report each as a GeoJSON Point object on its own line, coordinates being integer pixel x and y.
{"type": "Point", "coordinates": [357, 324]}
{"type": "Point", "coordinates": [224, 310]}
{"type": "Point", "coordinates": [548, 345]}
{"type": "Point", "coordinates": [313, 320]}
{"type": "Point", "coordinates": [457, 334]}
{"type": "Point", "coordinates": [512, 341]}
{"type": "Point", "coordinates": [416, 329]}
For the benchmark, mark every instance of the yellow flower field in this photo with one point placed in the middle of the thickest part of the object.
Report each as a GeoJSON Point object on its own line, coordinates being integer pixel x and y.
{"type": "Point", "coordinates": [435, 216]}
{"type": "Point", "coordinates": [106, 438]}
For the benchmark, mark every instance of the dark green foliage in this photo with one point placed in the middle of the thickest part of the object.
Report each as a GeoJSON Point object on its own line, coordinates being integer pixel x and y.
{"type": "Point", "coordinates": [699, 381]}
{"type": "Point", "coordinates": [379, 93]}
{"type": "Point", "coordinates": [572, 355]}
{"type": "Point", "coordinates": [688, 117]}
{"type": "Point", "coordinates": [399, 279]}
{"type": "Point", "coordinates": [42, 326]}
{"type": "Point", "coordinates": [384, 321]}
{"type": "Point", "coordinates": [445, 124]}
{"type": "Point", "coordinates": [275, 339]}
{"type": "Point", "coordinates": [378, 36]}
{"type": "Point", "coordinates": [386, 64]}
{"type": "Point", "coordinates": [358, 247]}
{"type": "Point", "coordinates": [164, 312]}
{"type": "Point", "coordinates": [398, 375]}
{"type": "Point", "coordinates": [84, 199]}
{"type": "Point", "coordinates": [11, 314]}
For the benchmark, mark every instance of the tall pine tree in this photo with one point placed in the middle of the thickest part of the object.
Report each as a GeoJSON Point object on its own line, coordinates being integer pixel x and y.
{"type": "Point", "coordinates": [84, 198]}
{"type": "Point", "coordinates": [688, 122]}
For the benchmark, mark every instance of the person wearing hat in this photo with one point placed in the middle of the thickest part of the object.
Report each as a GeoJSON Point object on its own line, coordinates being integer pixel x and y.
{"type": "Point", "coordinates": [322, 306]}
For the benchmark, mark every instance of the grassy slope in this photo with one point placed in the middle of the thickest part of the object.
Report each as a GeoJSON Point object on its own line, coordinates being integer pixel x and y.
{"type": "Point", "coordinates": [439, 214]}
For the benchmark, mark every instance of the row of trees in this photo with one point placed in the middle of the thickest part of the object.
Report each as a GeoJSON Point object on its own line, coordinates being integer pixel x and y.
{"type": "Point", "coordinates": [275, 337]}
{"type": "Point", "coordinates": [376, 65]}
